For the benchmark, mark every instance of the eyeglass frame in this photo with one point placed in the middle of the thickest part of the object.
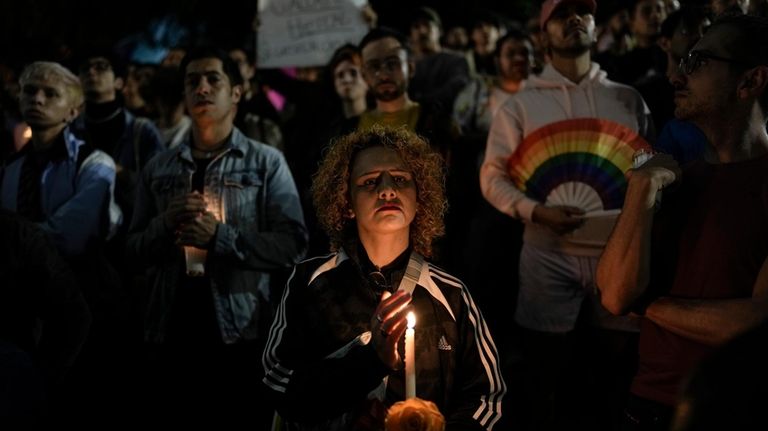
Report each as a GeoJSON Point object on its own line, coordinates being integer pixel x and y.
{"type": "Point", "coordinates": [100, 65]}
{"type": "Point", "coordinates": [390, 64]}
{"type": "Point", "coordinates": [379, 280]}
{"type": "Point", "coordinates": [693, 57]}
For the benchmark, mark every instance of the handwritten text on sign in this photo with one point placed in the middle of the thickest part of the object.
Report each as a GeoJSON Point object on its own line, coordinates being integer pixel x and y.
{"type": "Point", "coordinates": [306, 32]}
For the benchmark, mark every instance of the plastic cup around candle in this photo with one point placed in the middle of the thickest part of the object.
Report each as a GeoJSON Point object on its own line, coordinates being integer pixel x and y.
{"type": "Point", "coordinates": [195, 261]}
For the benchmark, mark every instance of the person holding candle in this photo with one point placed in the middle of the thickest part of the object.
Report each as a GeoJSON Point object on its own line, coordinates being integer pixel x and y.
{"type": "Point", "coordinates": [235, 198]}
{"type": "Point", "coordinates": [334, 356]}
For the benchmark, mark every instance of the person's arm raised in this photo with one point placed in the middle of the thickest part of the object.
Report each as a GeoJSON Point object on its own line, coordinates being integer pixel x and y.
{"type": "Point", "coordinates": [624, 268]}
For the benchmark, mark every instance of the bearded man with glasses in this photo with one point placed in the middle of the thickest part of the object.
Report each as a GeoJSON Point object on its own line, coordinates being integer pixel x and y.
{"type": "Point", "coordinates": [696, 264]}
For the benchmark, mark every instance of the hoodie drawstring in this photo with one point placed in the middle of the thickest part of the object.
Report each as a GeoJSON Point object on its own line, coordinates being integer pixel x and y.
{"type": "Point", "coordinates": [591, 99]}
{"type": "Point", "coordinates": [568, 103]}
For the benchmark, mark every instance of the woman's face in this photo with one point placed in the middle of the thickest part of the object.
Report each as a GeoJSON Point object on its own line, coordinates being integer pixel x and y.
{"type": "Point", "coordinates": [348, 81]}
{"type": "Point", "coordinates": [382, 193]}
{"type": "Point", "coordinates": [515, 59]}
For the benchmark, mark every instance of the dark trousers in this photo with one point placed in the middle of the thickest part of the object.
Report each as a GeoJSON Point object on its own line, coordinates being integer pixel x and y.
{"type": "Point", "coordinates": [222, 383]}
{"type": "Point", "coordinates": [577, 380]}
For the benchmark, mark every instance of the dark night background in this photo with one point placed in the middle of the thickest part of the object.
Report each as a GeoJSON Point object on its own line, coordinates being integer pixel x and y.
{"type": "Point", "coordinates": [46, 29]}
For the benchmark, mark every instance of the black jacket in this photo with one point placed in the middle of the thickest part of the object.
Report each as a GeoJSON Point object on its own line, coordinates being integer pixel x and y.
{"type": "Point", "coordinates": [327, 306]}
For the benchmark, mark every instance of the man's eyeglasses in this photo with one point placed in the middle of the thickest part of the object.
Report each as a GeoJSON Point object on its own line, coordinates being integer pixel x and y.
{"type": "Point", "coordinates": [695, 59]}
{"type": "Point", "coordinates": [97, 65]}
{"type": "Point", "coordinates": [389, 65]}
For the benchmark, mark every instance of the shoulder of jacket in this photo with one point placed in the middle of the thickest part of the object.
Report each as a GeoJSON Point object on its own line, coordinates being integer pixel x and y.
{"type": "Point", "coordinates": [95, 157]}
{"type": "Point", "coordinates": [259, 150]}
{"type": "Point", "coordinates": [163, 158]}
{"type": "Point", "coordinates": [443, 278]}
{"type": "Point", "coordinates": [310, 269]}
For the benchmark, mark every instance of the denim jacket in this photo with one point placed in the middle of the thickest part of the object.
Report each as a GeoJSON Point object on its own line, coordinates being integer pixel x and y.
{"type": "Point", "coordinates": [250, 185]}
{"type": "Point", "coordinates": [78, 204]}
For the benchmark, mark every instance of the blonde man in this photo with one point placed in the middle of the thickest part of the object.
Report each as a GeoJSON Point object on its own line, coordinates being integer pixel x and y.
{"type": "Point", "coordinates": [57, 180]}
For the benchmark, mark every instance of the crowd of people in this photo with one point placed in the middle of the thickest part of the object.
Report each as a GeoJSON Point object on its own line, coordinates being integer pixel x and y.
{"type": "Point", "coordinates": [573, 204]}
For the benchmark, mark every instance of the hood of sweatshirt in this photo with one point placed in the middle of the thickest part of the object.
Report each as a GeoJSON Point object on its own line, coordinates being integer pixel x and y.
{"type": "Point", "coordinates": [550, 78]}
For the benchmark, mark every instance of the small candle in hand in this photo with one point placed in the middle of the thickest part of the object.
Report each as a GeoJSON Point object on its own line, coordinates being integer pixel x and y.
{"type": "Point", "coordinates": [410, 360]}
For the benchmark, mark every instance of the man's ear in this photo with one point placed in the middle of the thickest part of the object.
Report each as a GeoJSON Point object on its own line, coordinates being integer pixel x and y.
{"type": "Point", "coordinates": [237, 93]}
{"type": "Point", "coordinates": [119, 83]}
{"type": "Point", "coordinates": [73, 112]}
{"type": "Point", "coordinates": [411, 69]}
{"type": "Point", "coordinates": [754, 82]}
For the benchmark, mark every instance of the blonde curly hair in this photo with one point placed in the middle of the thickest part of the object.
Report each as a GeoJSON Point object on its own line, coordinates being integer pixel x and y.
{"type": "Point", "coordinates": [331, 195]}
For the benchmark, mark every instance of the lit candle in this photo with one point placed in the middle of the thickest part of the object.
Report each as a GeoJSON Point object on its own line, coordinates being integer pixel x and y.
{"type": "Point", "coordinates": [195, 257]}
{"type": "Point", "coordinates": [410, 358]}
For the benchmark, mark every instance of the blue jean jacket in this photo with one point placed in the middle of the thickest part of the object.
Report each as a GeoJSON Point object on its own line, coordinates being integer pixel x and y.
{"type": "Point", "coordinates": [78, 204]}
{"type": "Point", "coordinates": [252, 187]}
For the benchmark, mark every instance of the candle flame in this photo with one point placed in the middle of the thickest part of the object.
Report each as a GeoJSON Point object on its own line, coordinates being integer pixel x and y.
{"type": "Point", "coordinates": [27, 133]}
{"type": "Point", "coordinates": [411, 320]}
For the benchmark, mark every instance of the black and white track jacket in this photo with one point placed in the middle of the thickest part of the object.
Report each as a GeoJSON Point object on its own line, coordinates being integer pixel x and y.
{"type": "Point", "coordinates": [320, 368]}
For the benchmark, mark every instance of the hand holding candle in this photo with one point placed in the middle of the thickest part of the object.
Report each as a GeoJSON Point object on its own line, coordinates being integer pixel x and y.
{"type": "Point", "coordinates": [410, 357]}
{"type": "Point", "coordinates": [196, 230]}
{"type": "Point", "coordinates": [388, 326]}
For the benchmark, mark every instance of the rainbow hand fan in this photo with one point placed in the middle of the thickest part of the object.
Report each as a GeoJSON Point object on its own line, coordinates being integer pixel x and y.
{"type": "Point", "coordinates": [578, 162]}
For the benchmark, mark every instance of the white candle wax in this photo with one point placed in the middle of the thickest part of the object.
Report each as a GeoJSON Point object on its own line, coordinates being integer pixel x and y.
{"type": "Point", "coordinates": [410, 359]}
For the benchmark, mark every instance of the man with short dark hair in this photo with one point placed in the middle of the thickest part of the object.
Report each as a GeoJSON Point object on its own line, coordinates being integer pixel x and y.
{"type": "Point", "coordinates": [681, 139]}
{"type": "Point", "coordinates": [231, 202]}
{"type": "Point", "coordinates": [695, 262]}
{"type": "Point", "coordinates": [388, 69]}
{"type": "Point", "coordinates": [437, 76]}
{"type": "Point", "coordinates": [130, 140]}
{"type": "Point", "coordinates": [724, 7]}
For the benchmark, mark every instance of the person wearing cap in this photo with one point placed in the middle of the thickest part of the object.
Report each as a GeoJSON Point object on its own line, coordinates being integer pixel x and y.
{"type": "Point", "coordinates": [556, 287]}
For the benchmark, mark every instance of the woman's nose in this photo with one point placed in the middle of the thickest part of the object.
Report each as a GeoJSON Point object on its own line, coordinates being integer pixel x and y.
{"type": "Point", "coordinates": [386, 188]}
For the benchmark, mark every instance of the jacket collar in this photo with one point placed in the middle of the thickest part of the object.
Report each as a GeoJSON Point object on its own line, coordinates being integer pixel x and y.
{"type": "Point", "coordinates": [236, 143]}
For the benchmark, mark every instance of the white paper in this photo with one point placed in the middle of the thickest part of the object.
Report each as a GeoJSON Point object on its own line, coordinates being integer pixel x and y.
{"type": "Point", "coordinates": [306, 32]}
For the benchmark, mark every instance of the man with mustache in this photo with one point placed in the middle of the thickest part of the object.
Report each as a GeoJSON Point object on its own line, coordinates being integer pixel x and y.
{"type": "Point", "coordinates": [233, 200]}
{"type": "Point", "coordinates": [556, 287]}
{"type": "Point", "coordinates": [695, 262]}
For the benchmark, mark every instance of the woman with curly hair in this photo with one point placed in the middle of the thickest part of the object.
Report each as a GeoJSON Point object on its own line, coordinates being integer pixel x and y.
{"type": "Point", "coordinates": [334, 357]}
